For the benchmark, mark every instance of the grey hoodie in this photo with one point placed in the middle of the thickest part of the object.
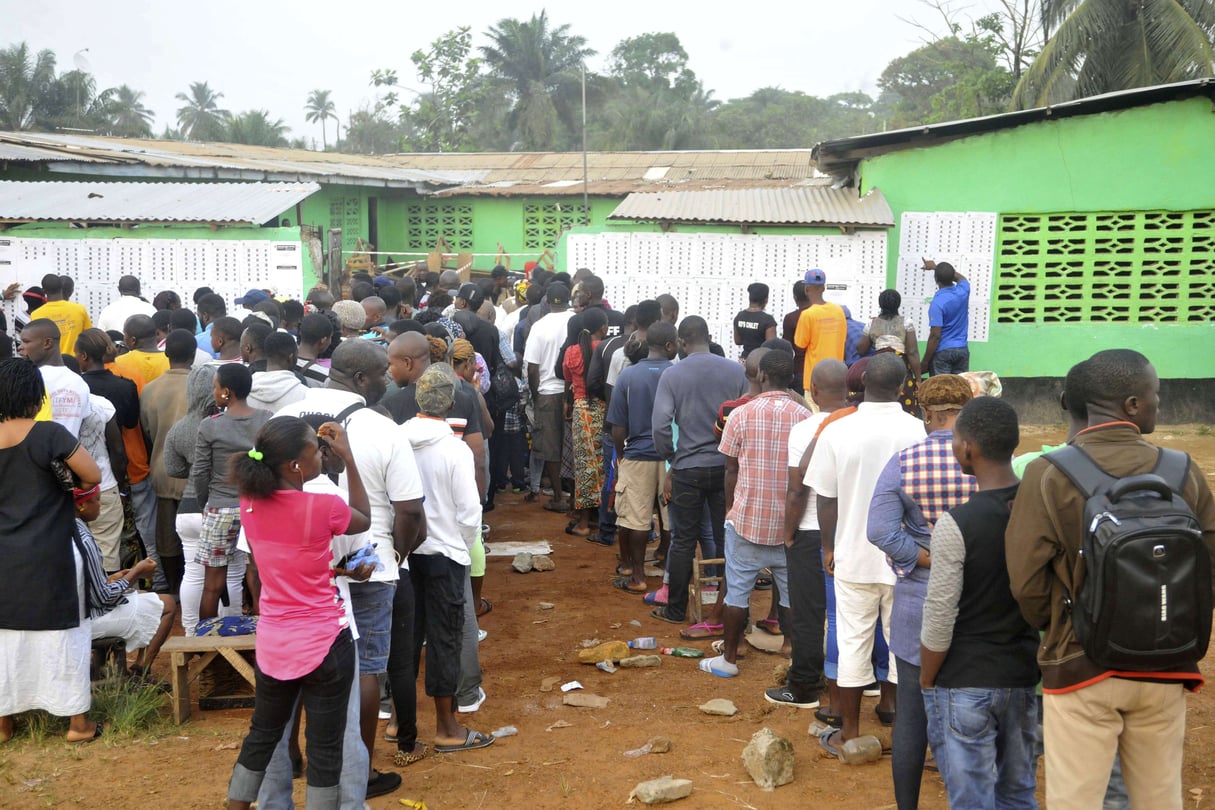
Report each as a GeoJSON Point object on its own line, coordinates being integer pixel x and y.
{"type": "Point", "coordinates": [273, 390]}
{"type": "Point", "coordinates": [179, 441]}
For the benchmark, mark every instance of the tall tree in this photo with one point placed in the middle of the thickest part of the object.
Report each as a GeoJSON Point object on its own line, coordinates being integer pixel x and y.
{"type": "Point", "coordinates": [320, 107]}
{"type": "Point", "coordinates": [540, 64]}
{"type": "Point", "coordinates": [201, 118]}
{"type": "Point", "coordinates": [1100, 46]}
{"type": "Point", "coordinates": [26, 79]}
{"type": "Point", "coordinates": [254, 127]}
{"type": "Point", "coordinates": [958, 76]}
{"type": "Point", "coordinates": [126, 114]}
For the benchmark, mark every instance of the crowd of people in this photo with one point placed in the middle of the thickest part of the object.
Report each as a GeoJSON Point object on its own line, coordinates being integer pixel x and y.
{"type": "Point", "coordinates": [327, 465]}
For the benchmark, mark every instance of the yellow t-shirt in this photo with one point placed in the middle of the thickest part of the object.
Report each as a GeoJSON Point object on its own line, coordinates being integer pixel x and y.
{"type": "Point", "coordinates": [148, 365]}
{"type": "Point", "coordinates": [44, 413]}
{"type": "Point", "coordinates": [70, 317]}
{"type": "Point", "coordinates": [821, 331]}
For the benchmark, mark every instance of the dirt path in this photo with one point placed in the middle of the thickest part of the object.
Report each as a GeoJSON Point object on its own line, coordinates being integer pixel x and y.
{"type": "Point", "coordinates": [577, 766]}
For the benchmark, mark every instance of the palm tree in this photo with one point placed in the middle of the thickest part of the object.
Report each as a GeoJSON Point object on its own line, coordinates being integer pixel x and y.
{"type": "Point", "coordinates": [540, 65]}
{"type": "Point", "coordinates": [1100, 46]}
{"type": "Point", "coordinates": [128, 117]}
{"type": "Point", "coordinates": [201, 119]}
{"type": "Point", "coordinates": [255, 128]}
{"type": "Point", "coordinates": [320, 108]}
{"type": "Point", "coordinates": [26, 82]}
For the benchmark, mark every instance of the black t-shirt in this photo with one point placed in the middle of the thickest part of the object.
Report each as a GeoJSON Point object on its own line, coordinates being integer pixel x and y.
{"type": "Point", "coordinates": [38, 523]}
{"type": "Point", "coordinates": [574, 326]}
{"type": "Point", "coordinates": [120, 391]}
{"type": "Point", "coordinates": [464, 418]}
{"type": "Point", "coordinates": [481, 334]}
{"type": "Point", "coordinates": [753, 328]}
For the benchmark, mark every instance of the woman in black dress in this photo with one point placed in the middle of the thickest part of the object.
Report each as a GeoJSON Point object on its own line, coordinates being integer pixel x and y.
{"type": "Point", "coordinates": [44, 634]}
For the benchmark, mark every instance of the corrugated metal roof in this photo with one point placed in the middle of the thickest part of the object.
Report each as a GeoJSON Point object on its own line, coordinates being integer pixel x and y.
{"type": "Point", "coordinates": [840, 157]}
{"type": "Point", "coordinates": [801, 205]}
{"type": "Point", "coordinates": [149, 202]}
{"type": "Point", "coordinates": [489, 173]}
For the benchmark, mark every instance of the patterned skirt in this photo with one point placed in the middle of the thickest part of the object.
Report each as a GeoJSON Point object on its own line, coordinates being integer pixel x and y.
{"type": "Point", "coordinates": [587, 432]}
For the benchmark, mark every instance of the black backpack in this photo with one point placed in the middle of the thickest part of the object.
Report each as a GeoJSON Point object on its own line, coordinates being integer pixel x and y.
{"type": "Point", "coordinates": [1144, 602]}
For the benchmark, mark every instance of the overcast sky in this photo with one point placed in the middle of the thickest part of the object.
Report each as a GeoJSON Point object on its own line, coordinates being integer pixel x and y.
{"type": "Point", "coordinates": [270, 55]}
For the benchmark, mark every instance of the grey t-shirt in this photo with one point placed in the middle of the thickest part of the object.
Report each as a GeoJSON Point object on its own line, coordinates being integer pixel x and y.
{"type": "Point", "coordinates": [218, 438]}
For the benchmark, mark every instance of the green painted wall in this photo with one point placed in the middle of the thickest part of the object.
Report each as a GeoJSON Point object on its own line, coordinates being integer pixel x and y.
{"type": "Point", "coordinates": [1159, 157]}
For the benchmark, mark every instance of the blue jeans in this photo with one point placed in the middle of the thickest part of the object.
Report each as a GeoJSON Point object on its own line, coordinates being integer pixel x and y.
{"type": "Point", "coordinates": [276, 786]}
{"type": "Point", "coordinates": [692, 490]}
{"type": "Point", "coordinates": [951, 361]}
{"type": "Point", "coordinates": [607, 495]}
{"type": "Point", "coordinates": [984, 741]}
{"type": "Point", "coordinates": [143, 503]}
{"type": "Point", "coordinates": [372, 606]}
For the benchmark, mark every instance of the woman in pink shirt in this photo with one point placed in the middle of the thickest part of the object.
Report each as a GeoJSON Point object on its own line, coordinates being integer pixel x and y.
{"type": "Point", "coordinates": [304, 646]}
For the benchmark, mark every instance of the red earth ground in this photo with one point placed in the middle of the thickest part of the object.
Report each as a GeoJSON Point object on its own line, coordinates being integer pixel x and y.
{"type": "Point", "coordinates": [579, 765]}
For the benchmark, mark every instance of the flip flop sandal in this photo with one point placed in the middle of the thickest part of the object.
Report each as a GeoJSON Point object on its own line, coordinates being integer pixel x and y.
{"type": "Point", "coordinates": [622, 584]}
{"type": "Point", "coordinates": [702, 631]}
{"type": "Point", "coordinates": [769, 626]}
{"type": "Point", "coordinates": [484, 607]}
{"type": "Point", "coordinates": [825, 742]}
{"type": "Point", "coordinates": [834, 720]}
{"type": "Point", "coordinates": [86, 740]}
{"type": "Point", "coordinates": [472, 742]}
{"type": "Point", "coordinates": [884, 717]}
{"type": "Point", "coordinates": [405, 758]}
{"type": "Point", "coordinates": [651, 598]}
{"type": "Point", "coordinates": [706, 665]}
{"type": "Point", "coordinates": [719, 647]}
{"type": "Point", "coordinates": [660, 613]}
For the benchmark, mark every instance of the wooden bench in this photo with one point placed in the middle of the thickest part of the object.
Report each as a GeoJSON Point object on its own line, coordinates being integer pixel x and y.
{"type": "Point", "coordinates": [186, 666]}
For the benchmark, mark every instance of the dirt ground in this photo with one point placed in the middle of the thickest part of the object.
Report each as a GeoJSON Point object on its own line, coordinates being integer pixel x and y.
{"type": "Point", "coordinates": [578, 765]}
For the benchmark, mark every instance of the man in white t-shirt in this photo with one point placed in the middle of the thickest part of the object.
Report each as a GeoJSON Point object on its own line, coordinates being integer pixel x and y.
{"type": "Point", "coordinates": [357, 381]}
{"type": "Point", "coordinates": [847, 461]}
{"type": "Point", "coordinates": [66, 391]}
{"type": "Point", "coordinates": [540, 355]}
{"type": "Point", "coordinates": [803, 549]}
{"type": "Point", "coordinates": [129, 302]}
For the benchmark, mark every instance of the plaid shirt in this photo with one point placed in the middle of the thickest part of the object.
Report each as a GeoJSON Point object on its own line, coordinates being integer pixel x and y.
{"type": "Point", "coordinates": [932, 477]}
{"type": "Point", "coordinates": [757, 434]}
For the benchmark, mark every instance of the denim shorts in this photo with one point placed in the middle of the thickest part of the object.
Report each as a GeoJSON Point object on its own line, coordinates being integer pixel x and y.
{"type": "Point", "coordinates": [744, 561]}
{"type": "Point", "coordinates": [372, 606]}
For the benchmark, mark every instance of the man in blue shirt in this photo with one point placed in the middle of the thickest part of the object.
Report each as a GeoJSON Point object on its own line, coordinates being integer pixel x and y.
{"type": "Point", "coordinates": [640, 472]}
{"type": "Point", "coordinates": [947, 351]}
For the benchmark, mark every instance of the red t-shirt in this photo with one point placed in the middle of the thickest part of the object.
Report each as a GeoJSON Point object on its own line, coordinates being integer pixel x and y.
{"type": "Point", "coordinates": [290, 534]}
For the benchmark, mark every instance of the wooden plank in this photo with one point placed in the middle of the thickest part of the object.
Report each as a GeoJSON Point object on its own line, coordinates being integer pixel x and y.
{"type": "Point", "coordinates": [238, 663]}
{"type": "Point", "coordinates": [181, 688]}
{"type": "Point", "coordinates": [206, 643]}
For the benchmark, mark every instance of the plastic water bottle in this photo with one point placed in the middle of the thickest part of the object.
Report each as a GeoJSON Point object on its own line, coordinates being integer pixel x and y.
{"type": "Point", "coordinates": [644, 643]}
{"type": "Point", "coordinates": [858, 750]}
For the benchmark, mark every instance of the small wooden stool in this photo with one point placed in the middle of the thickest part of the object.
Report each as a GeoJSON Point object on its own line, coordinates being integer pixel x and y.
{"type": "Point", "coordinates": [105, 650]}
{"type": "Point", "coordinates": [184, 670]}
{"type": "Point", "coordinates": [700, 579]}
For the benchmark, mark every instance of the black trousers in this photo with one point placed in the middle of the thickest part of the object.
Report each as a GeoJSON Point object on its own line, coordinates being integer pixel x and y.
{"type": "Point", "coordinates": [808, 609]}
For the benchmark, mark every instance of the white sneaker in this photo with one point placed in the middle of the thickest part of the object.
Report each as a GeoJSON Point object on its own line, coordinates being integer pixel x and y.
{"type": "Point", "coordinates": [385, 715]}
{"type": "Point", "coordinates": [472, 707]}
{"type": "Point", "coordinates": [482, 635]}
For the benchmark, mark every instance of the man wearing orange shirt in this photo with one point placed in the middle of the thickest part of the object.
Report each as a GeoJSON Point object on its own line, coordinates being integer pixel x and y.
{"type": "Point", "coordinates": [143, 357]}
{"type": "Point", "coordinates": [821, 328]}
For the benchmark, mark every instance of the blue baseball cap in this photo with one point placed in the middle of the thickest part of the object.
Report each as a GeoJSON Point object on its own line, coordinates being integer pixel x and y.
{"type": "Point", "coordinates": [252, 298]}
{"type": "Point", "coordinates": [815, 276]}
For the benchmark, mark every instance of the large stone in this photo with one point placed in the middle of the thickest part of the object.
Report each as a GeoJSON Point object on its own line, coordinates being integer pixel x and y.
{"type": "Point", "coordinates": [543, 562]}
{"type": "Point", "coordinates": [769, 759]}
{"type": "Point", "coordinates": [522, 562]}
{"type": "Point", "coordinates": [661, 791]}
{"type": "Point", "coordinates": [659, 745]}
{"type": "Point", "coordinates": [585, 700]}
{"type": "Point", "coordinates": [720, 707]}
{"type": "Point", "coordinates": [640, 661]}
{"type": "Point", "coordinates": [607, 651]}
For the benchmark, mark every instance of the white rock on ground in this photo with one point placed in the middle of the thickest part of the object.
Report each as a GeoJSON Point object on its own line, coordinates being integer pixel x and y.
{"type": "Point", "coordinates": [663, 790]}
{"type": "Point", "coordinates": [769, 759]}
